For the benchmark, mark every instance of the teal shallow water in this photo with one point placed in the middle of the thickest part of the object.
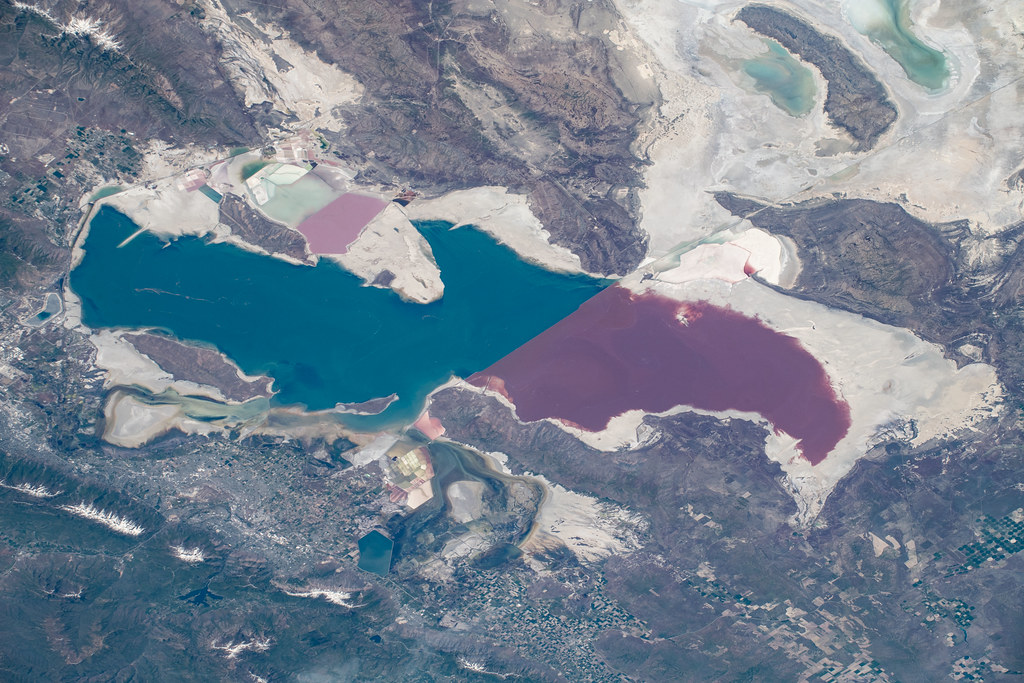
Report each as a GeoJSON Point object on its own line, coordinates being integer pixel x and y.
{"type": "Point", "coordinates": [292, 204]}
{"type": "Point", "coordinates": [788, 83]}
{"type": "Point", "coordinates": [105, 192]}
{"type": "Point", "coordinates": [887, 22]}
{"type": "Point", "coordinates": [318, 332]}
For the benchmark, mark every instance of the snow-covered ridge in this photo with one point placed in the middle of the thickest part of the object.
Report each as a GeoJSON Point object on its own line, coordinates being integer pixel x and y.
{"type": "Point", "coordinates": [110, 520]}
{"type": "Point", "coordinates": [34, 490]}
{"type": "Point", "coordinates": [86, 26]}
{"type": "Point", "coordinates": [77, 26]}
{"type": "Point", "coordinates": [189, 555]}
{"type": "Point", "coordinates": [332, 594]}
{"type": "Point", "coordinates": [233, 649]}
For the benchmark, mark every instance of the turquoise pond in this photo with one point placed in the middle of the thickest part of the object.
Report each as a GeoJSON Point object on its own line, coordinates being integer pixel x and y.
{"type": "Point", "coordinates": [105, 192]}
{"type": "Point", "coordinates": [323, 336]}
{"type": "Point", "coordinates": [788, 83]}
{"type": "Point", "coordinates": [888, 23]}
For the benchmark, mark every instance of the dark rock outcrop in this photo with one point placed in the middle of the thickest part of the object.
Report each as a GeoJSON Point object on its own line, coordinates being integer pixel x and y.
{"type": "Point", "coordinates": [856, 101]}
{"type": "Point", "coordinates": [199, 365]}
{"type": "Point", "coordinates": [432, 70]}
{"type": "Point", "coordinates": [261, 231]}
{"type": "Point", "coordinates": [874, 259]}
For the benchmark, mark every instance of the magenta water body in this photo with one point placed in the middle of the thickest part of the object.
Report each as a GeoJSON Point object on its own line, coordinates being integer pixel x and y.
{"type": "Point", "coordinates": [622, 351]}
{"type": "Point", "coordinates": [333, 228]}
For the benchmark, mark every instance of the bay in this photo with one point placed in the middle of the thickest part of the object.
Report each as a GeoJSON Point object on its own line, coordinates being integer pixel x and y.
{"type": "Point", "coordinates": [321, 334]}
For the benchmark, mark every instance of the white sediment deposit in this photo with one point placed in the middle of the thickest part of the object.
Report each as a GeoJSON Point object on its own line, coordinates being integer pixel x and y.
{"type": "Point", "coordinates": [391, 243]}
{"type": "Point", "coordinates": [466, 500]}
{"type": "Point", "coordinates": [948, 156]}
{"type": "Point", "coordinates": [161, 159]}
{"type": "Point", "coordinates": [166, 210]}
{"type": "Point", "coordinates": [590, 528]}
{"type": "Point", "coordinates": [271, 67]}
{"type": "Point", "coordinates": [133, 421]}
{"type": "Point", "coordinates": [130, 423]}
{"type": "Point", "coordinates": [373, 450]}
{"type": "Point", "coordinates": [506, 217]}
{"type": "Point", "coordinates": [125, 366]}
{"type": "Point", "coordinates": [731, 256]}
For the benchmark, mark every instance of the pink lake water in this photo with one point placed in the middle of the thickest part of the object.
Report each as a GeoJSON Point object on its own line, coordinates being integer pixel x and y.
{"type": "Point", "coordinates": [333, 228]}
{"type": "Point", "coordinates": [622, 351]}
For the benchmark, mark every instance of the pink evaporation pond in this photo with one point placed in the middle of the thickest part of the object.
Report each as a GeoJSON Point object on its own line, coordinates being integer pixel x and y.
{"type": "Point", "coordinates": [333, 228]}
{"type": "Point", "coordinates": [622, 351]}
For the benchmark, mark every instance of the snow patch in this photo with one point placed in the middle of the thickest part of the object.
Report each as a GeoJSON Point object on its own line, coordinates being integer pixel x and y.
{"type": "Point", "coordinates": [112, 521]}
{"type": "Point", "coordinates": [335, 596]}
{"type": "Point", "coordinates": [34, 490]}
{"type": "Point", "coordinates": [188, 555]}
{"type": "Point", "coordinates": [231, 649]}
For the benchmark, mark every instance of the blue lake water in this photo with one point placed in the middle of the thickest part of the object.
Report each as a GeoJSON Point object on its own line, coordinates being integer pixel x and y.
{"type": "Point", "coordinates": [323, 336]}
{"type": "Point", "coordinates": [375, 553]}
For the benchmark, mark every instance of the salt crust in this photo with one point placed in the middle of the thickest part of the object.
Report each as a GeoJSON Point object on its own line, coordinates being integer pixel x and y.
{"type": "Point", "coordinates": [505, 216]}
{"type": "Point", "coordinates": [130, 423]}
{"type": "Point", "coordinates": [303, 86]}
{"type": "Point", "coordinates": [124, 365]}
{"type": "Point", "coordinates": [946, 158]}
{"type": "Point", "coordinates": [590, 528]}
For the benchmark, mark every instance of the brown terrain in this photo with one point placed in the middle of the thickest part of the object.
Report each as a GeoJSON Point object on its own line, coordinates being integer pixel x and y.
{"type": "Point", "coordinates": [256, 229]}
{"type": "Point", "coordinates": [199, 365]}
{"type": "Point", "coordinates": [565, 128]}
{"type": "Point", "coordinates": [877, 260]}
{"type": "Point", "coordinates": [856, 101]}
{"type": "Point", "coordinates": [722, 586]}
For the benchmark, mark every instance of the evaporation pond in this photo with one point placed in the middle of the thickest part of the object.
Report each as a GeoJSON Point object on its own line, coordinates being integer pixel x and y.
{"type": "Point", "coordinates": [323, 336]}
{"type": "Point", "coordinates": [622, 351]}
